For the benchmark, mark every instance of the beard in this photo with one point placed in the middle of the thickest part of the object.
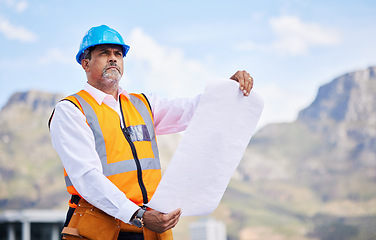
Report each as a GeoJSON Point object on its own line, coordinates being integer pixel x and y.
{"type": "Point", "coordinates": [112, 75]}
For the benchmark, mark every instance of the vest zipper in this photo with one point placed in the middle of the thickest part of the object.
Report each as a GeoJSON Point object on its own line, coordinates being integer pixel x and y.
{"type": "Point", "coordinates": [135, 156]}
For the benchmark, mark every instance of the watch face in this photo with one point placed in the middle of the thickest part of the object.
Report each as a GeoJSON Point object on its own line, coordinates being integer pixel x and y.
{"type": "Point", "coordinates": [137, 222]}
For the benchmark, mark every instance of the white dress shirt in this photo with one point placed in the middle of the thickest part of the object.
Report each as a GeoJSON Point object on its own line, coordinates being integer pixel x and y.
{"type": "Point", "coordinates": [74, 142]}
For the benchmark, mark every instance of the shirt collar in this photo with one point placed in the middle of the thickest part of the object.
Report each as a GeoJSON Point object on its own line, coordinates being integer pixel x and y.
{"type": "Point", "coordinates": [99, 96]}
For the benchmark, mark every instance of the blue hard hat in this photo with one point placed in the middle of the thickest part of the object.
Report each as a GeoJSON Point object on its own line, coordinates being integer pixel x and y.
{"type": "Point", "coordinates": [100, 35]}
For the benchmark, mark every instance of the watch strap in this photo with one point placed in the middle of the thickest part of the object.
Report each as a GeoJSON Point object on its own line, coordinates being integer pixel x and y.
{"type": "Point", "coordinates": [140, 213]}
{"type": "Point", "coordinates": [138, 220]}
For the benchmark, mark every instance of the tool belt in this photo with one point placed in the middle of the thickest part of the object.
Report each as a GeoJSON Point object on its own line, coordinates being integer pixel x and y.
{"type": "Point", "coordinates": [91, 223]}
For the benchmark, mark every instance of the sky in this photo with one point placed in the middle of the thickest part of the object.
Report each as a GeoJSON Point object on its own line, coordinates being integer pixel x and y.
{"type": "Point", "coordinates": [290, 47]}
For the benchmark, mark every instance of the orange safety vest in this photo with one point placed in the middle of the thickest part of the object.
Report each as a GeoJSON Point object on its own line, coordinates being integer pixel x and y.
{"type": "Point", "coordinates": [129, 155]}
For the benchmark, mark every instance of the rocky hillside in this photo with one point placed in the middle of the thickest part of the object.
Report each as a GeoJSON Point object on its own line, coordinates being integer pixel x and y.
{"type": "Point", "coordinates": [317, 175]}
{"type": "Point", "coordinates": [330, 147]}
{"type": "Point", "coordinates": [29, 167]}
{"type": "Point", "coordinates": [314, 178]}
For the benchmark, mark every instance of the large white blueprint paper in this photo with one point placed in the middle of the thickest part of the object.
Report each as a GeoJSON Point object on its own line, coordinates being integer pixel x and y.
{"type": "Point", "coordinates": [210, 150]}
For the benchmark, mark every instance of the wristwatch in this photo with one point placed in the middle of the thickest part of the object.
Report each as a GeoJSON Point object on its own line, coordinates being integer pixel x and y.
{"type": "Point", "coordinates": [138, 220]}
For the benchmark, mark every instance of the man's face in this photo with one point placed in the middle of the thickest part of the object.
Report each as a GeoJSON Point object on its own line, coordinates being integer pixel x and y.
{"type": "Point", "coordinates": [105, 66]}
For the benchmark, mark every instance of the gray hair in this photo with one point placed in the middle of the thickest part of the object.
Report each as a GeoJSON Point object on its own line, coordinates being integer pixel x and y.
{"type": "Point", "coordinates": [87, 53]}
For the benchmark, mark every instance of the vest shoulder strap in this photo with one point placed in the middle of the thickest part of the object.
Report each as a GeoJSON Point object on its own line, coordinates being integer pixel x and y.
{"type": "Point", "coordinates": [53, 111]}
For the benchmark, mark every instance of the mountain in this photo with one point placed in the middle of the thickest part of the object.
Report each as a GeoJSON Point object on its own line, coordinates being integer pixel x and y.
{"type": "Point", "coordinates": [335, 136]}
{"type": "Point", "coordinates": [30, 172]}
{"type": "Point", "coordinates": [320, 168]}
{"type": "Point", "coordinates": [313, 178]}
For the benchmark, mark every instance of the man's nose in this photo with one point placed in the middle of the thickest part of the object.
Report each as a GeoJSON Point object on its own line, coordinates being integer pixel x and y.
{"type": "Point", "coordinates": [112, 58]}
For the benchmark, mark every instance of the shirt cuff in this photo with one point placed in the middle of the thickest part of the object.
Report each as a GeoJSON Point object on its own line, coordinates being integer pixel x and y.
{"type": "Point", "coordinates": [126, 211]}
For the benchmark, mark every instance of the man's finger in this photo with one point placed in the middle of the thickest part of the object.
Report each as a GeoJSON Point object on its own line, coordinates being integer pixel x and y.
{"type": "Point", "coordinates": [172, 218]}
{"type": "Point", "coordinates": [245, 81]}
{"type": "Point", "coordinates": [246, 77]}
{"type": "Point", "coordinates": [239, 78]}
{"type": "Point", "coordinates": [251, 83]}
{"type": "Point", "coordinates": [175, 213]}
{"type": "Point", "coordinates": [173, 224]}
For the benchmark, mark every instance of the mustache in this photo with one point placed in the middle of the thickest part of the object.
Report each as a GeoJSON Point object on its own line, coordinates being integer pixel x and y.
{"type": "Point", "coordinates": [111, 64]}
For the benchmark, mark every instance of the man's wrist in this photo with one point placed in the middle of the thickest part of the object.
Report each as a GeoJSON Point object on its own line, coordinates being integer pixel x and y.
{"type": "Point", "coordinates": [134, 215]}
{"type": "Point", "coordinates": [137, 218]}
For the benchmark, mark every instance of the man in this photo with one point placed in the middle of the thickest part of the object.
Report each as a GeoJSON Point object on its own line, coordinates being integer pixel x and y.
{"type": "Point", "coordinates": [105, 138]}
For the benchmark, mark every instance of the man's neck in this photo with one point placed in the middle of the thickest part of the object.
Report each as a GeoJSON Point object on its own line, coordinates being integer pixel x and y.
{"type": "Point", "coordinates": [113, 92]}
{"type": "Point", "coordinates": [111, 89]}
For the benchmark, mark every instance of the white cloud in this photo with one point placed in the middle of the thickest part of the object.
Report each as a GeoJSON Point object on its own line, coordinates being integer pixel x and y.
{"type": "Point", "coordinates": [21, 6]}
{"type": "Point", "coordinates": [294, 37]}
{"type": "Point", "coordinates": [163, 69]}
{"type": "Point", "coordinates": [14, 32]}
{"type": "Point", "coordinates": [18, 6]}
{"type": "Point", "coordinates": [281, 105]}
{"type": "Point", "coordinates": [55, 55]}
{"type": "Point", "coordinates": [246, 46]}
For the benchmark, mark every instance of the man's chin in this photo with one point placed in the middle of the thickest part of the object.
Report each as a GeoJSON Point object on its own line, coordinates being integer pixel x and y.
{"type": "Point", "coordinates": [112, 76]}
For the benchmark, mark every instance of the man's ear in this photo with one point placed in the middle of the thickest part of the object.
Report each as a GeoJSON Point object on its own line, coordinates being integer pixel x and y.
{"type": "Point", "coordinates": [85, 64]}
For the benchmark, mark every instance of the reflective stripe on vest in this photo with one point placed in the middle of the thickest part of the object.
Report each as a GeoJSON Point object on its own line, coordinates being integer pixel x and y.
{"type": "Point", "coordinates": [137, 133]}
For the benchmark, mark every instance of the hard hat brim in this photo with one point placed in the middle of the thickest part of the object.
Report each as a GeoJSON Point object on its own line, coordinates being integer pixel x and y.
{"type": "Point", "coordinates": [79, 56]}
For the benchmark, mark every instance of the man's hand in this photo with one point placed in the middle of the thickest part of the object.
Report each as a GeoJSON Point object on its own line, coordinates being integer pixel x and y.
{"type": "Point", "coordinates": [160, 222]}
{"type": "Point", "coordinates": [245, 81]}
